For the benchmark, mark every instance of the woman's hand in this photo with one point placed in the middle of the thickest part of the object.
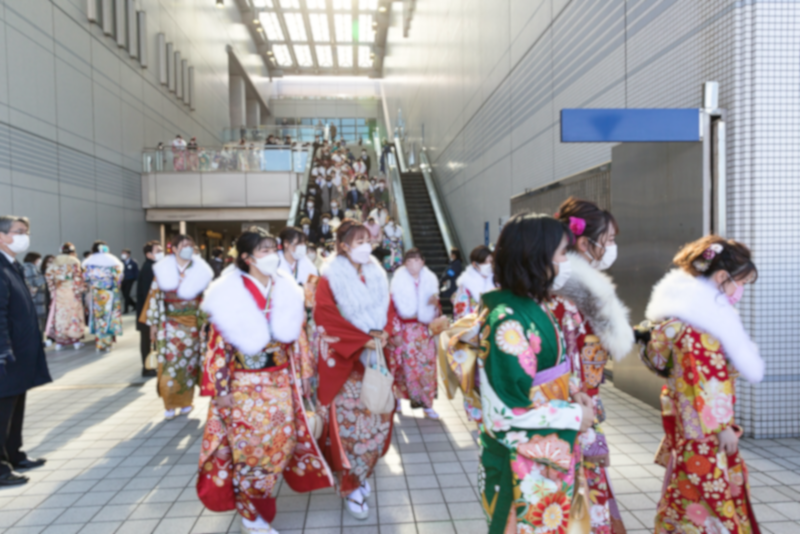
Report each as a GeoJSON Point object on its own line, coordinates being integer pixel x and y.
{"type": "Point", "coordinates": [587, 418]}
{"type": "Point", "coordinates": [370, 345]}
{"type": "Point", "coordinates": [225, 401]}
{"type": "Point", "coordinates": [396, 341]}
{"type": "Point", "coordinates": [153, 334]}
{"type": "Point", "coordinates": [728, 441]}
{"type": "Point", "coordinates": [439, 325]}
{"type": "Point", "coordinates": [433, 300]}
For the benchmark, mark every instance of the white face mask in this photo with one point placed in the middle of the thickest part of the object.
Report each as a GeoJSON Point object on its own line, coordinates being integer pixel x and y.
{"type": "Point", "coordinates": [334, 206]}
{"type": "Point", "coordinates": [268, 265]}
{"type": "Point", "coordinates": [312, 256]}
{"type": "Point", "coordinates": [158, 256]}
{"type": "Point", "coordinates": [299, 251]}
{"type": "Point", "coordinates": [186, 253]}
{"type": "Point", "coordinates": [20, 244]}
{"type": "Point", "coordinates": [361, 253]}
{"type": "Point", "coordinates": [564, 272]}
{"type": "Point", "coordinates": [608, 259]}
{"type": "Point", "coordinates": [310, 206]}
{"type": "Point", "coordinates": [485, 269]}
{"type": "Point", "coordinates": [325, 222]}
{"type": "Point", "coordinates": [124, 256]}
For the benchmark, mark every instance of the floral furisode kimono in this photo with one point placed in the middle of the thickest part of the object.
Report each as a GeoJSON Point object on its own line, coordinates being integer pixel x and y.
{"type": "Point", "coordinates": [528, 456]}
{"type": "Point", "coordinates": [65, 320]}
{"type": "Point", "coordinates": [253, 355]}
{"type": "Point", "coordinates": [699, 343]}
{"type": "Point", "coordinates": [173, 310]}
{"type": "Point", "coordinates": [595, 325]}
{"type": "Point", "coordinates": [470, 286]}
{"type": "Point", "coordinates": [348, 306]}
{"type": "Point", "coordinates": [103, 274]}
{"type": "Point", "coordinates": [415, 358]}
{"type": "Point", "coordinates": [393, 242]}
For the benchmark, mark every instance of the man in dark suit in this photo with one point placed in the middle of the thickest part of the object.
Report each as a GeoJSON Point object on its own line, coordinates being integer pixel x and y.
{"type": "Point", "coordinates": [22, 362]}
{"type": "Point", "coordinates": [152, 253]}
{"type": "Point", "coordinates": [217, 262]}
{"type": "Point", "coordinates": [131, 275]}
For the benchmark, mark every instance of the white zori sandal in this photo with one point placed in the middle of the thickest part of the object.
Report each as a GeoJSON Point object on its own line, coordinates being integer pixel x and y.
{"type": "Point", "coordinates": [258, 526]}
{"type": "Point", "coordinates": [365, 489]}
{"type": "Point", "coordinates": [357, 505]}
{"type": "Point", "coordinates": [431, 414]}
{"type": "Point", "coordinates": [170, 414]}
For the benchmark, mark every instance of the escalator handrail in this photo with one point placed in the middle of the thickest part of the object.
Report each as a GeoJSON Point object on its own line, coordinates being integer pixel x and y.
{"type": "Point", "coordinates": [399, 200]}
{"type": "Point", "coordinates": [401, 157]}
{"type": "Point", "coordinates": [297, 197]}
{"type": "Point", "coordinates": [442, 218]}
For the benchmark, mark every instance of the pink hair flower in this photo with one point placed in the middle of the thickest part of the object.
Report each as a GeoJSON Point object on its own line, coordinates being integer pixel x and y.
{"type": "Point", "coordinates": [577, 225]}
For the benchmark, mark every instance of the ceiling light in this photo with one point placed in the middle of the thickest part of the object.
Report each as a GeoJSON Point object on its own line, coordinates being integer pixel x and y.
{"type": "Point", "coordinates": [382, 9]}
{"type": "Point", "coordinates": [271, 24]}
{"type": "Point", "coordinates": [303, 55]}
{"type": "Point", "coordinates": [282, 55]}
{"type": "Point", "coordinates": [343, 5]}
{"type": "Point", "coordinates": [367, 5]}
{"type": "Point", "coordinates": [345, 55]}
{"type": "Point", "coordinates": [296, 27]}
{"type": "Point", "coordinates": [290, 4]}
{"type": "Point", "coordinates": [319, 27]}
{"type": "Point", "coordinates": [363, 57]}
{"type": "Point", "coordinates": [324, 56]}
{"type": "Point", "coordinates": [261, 4]}
{"type": "Point", "coordinates": [220, 4]}
{"type": "Point", "coordinates": [315, 4]}
{"type": "Point", "coordinates": [365, 34]}
{"type": "Point", "coordinates": [343, 24]}
{"type": "Point", "coordinates": [256, 22]}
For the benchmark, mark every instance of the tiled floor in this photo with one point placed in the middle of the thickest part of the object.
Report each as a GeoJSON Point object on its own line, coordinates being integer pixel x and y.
{"type": "Point", "coordinates": [114, 466]}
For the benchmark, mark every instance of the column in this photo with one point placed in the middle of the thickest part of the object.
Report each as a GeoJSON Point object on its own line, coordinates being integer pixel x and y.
{"type": "Point", "coordinates": [253, 113]}
{"type": "Point", "coordinates": [237, 102]}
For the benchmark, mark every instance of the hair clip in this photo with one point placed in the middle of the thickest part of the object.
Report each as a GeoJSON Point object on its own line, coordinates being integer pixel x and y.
{"type": "Point", "coordinates": [577, 225]}
{"type": "Point", "coordinates": [712, 251]}
{"type": "Point", "coordinates": [701, 265]}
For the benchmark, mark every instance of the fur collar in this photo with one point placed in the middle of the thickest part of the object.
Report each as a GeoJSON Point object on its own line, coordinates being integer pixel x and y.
{"type": "Point", "coordinates": [305, 269]}
{"type": "Point", "coordinates": [412, 302]}
{"type": "Point", "coordinates": [66, 259]}
{"type": "Point", "coordinates": [364, 305]}
{"type": "Point", "coordinates": [234, 312]}
{"type": "Point", "coordinates": [476, 284]}
{"type": "Point", "coordinates": [102, 259]}
{"type": "Point", "coordinates": [595, 296]}
{"type": "Point", "coordinates": [697, 302]}
{"type": "Point", "coordinates": [195, 280]}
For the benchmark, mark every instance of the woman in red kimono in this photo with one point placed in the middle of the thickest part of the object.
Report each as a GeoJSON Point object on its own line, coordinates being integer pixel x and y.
{"type": "Point", "coordinates": [698, 343]}
{"type": "Point", "coordinates": [352, 310]}
{"type": "Point", "coordinates": [257, 429]}
{"type": "Point", "coordinates": [596, 326]}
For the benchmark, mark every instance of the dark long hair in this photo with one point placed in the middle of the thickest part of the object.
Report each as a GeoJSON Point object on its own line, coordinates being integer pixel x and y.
{"type": "Point", "coordinates": [248, 242]}
{"type": "Point", "coordinates": [523, 257]}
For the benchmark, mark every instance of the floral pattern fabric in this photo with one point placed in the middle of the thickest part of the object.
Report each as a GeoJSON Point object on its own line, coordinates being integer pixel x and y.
{"type": "Point", "coordinates": [65, 321]}
{"type": "Point", "coordinates": [415, 369]}
{"type": "Point", "coordinates": [105, 300]}
{"type": "Point", "coordinates": [394, 259]}
{"type": "Point", "coordinates": [706, 491]}
{"type": "Point", "coordinates": [463, 303]}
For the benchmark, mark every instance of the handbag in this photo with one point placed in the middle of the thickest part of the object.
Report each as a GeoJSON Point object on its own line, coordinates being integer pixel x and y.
{"type": "Point", "coordinates": [579, 521]}
{"type": "Point", "coordinates": [315, 422]}
{"type": "Point", "coordinates": [151, 362]}
{"type": "Point", "coordinates": [376, 386]}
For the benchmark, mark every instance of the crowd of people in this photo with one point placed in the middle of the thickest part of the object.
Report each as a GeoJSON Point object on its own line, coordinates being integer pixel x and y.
{"type": "Point", "coordinates": [307, 363]}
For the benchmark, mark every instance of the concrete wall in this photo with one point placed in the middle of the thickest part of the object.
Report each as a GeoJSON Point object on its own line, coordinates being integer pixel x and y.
{"type": "Point", "coordinates": [76, 112]}
{"type": "Point", "coordinates": [485, 82]}
{"type": "Point", "coordinates": [322, 108]}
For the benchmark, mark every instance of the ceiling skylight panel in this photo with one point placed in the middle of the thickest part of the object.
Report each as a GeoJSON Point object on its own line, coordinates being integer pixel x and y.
{"type": "Point", "coordinates": [365, 33]}
{"type": "Point", "coordinates": [303, 55]}
{"type": "Point", "coordinates": [269, 21]}
{"type": "Point", "coordinates": [367, 5]}
{"type": "Point", "coordinates": [290, 4]}
{"type": "Point", "coordinates": [342, 5]}
{"type": "Point", "coordinates": [324, 56]}
{"type": "Point", "coordinates": [296, 27]}
{"type": "Point", "coordinates": [319, 27]}
{"type": "Point", "coordinates": [343, 24]}
{"type": "Point", "coordinates": [282, 55]}
{"type": "Point", "coordinates": [315, 4]}
{"type": "Point", "coordinates": [364, 59]}
{"type": "Point", "coordinates": [345, 55]}
{"type": "Point", "coordinates": [261, 4]}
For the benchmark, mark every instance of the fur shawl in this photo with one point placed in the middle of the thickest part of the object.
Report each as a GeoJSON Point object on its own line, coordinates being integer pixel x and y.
{"type": "Point", "coordinates": [195, 280]}
{"type": "Point", "coordinates": [65, 259]}
{"type": "Point", "coordinates": [476, 284]}
{"type": "Point", "coordinates": [595, 296]}
{"type": "Point", "coordinates": [305, 269]}
{"type": "Point", "coordinates": [102, 259]}
{"type": "Point", "coordinates": [237, 317]}
{"type": "Point", "coordinates": [365, 306]}
{"type": "Point", "coordinates": [412, 302]}
{"type": "Point", "coordinates": [698, 302]}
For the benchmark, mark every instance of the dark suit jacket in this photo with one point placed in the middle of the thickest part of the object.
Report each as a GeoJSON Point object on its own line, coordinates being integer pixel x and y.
{"type": "Point", "coordinates": [19, 333]}
{"type": "Point", "coordinates": [143, 287]}
{"type": "Point", "coordinates": [131, 269]}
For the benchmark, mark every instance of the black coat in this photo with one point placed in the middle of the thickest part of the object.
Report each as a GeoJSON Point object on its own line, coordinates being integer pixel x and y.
{"type": "Point", "coordinates": [19, 333]}
{"type": "Point", "coordinates": [143, 287]}
{"type": "Point", "coordinates": [449, 278]}
{"type": "Point", "coordinates": [131, 269]}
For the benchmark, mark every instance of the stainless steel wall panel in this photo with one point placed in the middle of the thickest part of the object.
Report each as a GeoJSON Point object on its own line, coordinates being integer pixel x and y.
{"type": "Point", "coordinates": [141, 17]}
{"type": "Point", "coordinates": [170, 67]}
{"type": "Point", "coordinates": [133, 28]}
{"type": "Point", "coordinates": [269, 189]}
{"type": "Point", "coordinates": [121, 26]}
{"type": "Point", "coordinates": [108, 16]}
{"type": "Point", "coordinates": [224, 190]}
{"type": "Point", "coordinates": [163, 63]}
{"type": "Point", "coordinates": [192, 97]}
{"type": "Point", "coordinates": [178, 75]}
{"type": "Point", "coordinates": [185, 81]}
{"type": "Point", "coordinates": [177, 189]}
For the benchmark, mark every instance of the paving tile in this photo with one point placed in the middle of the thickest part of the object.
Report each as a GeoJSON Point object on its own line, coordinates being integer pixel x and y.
{"type": "Point", "coordinates": [39, 517]}
{"type": "Point", "coordinates": [438, 527]}
{"type": "Point", "coordinates": [217, 524]}
{"type": "Point", "coordinates": [431, 512]}
{"type": "Point", "coordinates": [323, 518]}
{"type": "Point", "coordinates": [101, 527]}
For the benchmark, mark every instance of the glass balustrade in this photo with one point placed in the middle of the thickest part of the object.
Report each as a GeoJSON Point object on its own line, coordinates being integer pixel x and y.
{"type": "Point", "coordinates": [228, 159]}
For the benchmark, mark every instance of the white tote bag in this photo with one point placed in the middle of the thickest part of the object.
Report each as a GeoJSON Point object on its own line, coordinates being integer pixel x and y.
{"type": "Point", "coordinates": [376, 387]}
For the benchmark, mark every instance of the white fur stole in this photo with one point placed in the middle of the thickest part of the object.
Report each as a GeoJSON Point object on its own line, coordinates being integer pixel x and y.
{"type": "Point", "coordinates": [476, 284]}
{"type": "Point", "coordinates": [698, 302]}
{"type": "Point", "coordinates": [102, 259]}
{"type": "Point", "coordinates": [195, 279]}
{"type": "Point", "coordinates": [235, 314]}
{"type": "Point", "coordinates": [595, 296]}
{"type": "Point", "coordinates": [305, 268]}
{"type": "Point", "coordinates": [363, 305]}
{"type": "Point", "coordinates": [412, 302]}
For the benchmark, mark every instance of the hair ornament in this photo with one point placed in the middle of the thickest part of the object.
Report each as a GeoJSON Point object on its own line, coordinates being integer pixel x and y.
{"type": "Point", "coordinates": [577, 226]}
{"type": "Point", "coordinates": [702, 264]}
{"type": "Point", "coordinates": [712, 251]}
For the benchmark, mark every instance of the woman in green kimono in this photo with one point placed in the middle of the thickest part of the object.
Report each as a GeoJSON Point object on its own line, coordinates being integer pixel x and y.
{"type": "Point", "coordinates": [532, 410]}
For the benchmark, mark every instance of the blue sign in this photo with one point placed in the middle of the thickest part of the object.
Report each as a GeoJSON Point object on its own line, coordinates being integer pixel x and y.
{"type": "Point", "coordinates": [629, 125]}
{"type": "Point", "coordinates": [486, 233]}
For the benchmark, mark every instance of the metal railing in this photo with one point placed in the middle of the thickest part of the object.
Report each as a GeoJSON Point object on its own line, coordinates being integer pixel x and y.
{"type": "Point", "coordinates": [399, 199]}
{"type": "Point", "coordinates": [300, 192]}
{"type": "Point", "coordinates": [259, 134]}
{"type": "Point", "coordinates": [226, 159]}
{"type": "Point", "coordinates": [442, 216]}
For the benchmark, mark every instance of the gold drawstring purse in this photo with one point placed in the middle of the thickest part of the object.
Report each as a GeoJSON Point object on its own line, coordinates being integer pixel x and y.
{"type": "Point", "coordinates": [579, 521]}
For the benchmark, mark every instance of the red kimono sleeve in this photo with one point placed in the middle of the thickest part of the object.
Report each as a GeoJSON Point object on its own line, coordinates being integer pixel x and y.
{"type": "Point", "coordinates": [217, 367]}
